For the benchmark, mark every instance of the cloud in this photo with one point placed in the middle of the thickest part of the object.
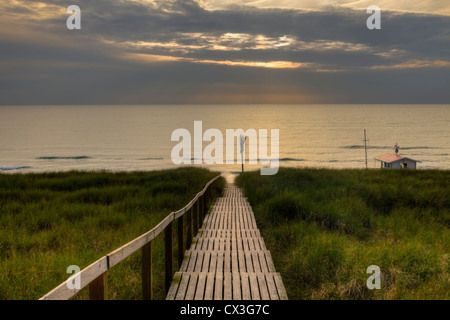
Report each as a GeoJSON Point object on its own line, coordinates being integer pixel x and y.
{"type": "Point", "coordinates": [177, 51]}
{"type": "Point", "coordinates": [416, 6]}
{"type": "Point", "coordinates": [414, 64]}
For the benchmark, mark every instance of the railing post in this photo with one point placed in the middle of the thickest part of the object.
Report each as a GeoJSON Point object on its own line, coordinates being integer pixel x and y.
{"type": "Point", "coordinates": [202, 217]}
{"type": "Point", "coordinates": [97, 288]}
{"type": "Point", "coordinates": [189, 228]}
{"type": "Point", "coordinates": [147, 272]}
{"type": "Point", "coordinates": [168, 255]}
{"type": "Point", "coordinates": [203, 206]}
{"type": "Point", "coordinates": [180, 240]}
{"type": "Point", "coordinates": [196, 211]}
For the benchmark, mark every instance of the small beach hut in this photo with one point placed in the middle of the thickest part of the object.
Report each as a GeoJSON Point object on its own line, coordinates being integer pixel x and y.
{"type": "Point", "coordinates": [395, 161]}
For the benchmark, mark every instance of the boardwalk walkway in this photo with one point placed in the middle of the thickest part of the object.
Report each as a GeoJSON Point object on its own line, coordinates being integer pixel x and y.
{"type": "Point", "coordinates": [228, 259]}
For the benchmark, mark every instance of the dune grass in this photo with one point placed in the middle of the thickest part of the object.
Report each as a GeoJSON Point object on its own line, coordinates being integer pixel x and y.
{"type": "Point", "coordinates": [53, 220]}
{"type": "Point", "coordinates": [325, 227]}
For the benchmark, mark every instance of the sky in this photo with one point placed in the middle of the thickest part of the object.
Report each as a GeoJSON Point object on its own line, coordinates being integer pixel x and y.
{"type": "Point", "coordinates": [224, 52]}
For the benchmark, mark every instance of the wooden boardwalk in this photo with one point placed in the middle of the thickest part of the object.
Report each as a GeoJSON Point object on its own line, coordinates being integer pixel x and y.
{"type": "Point", "coordinates": [228, 259]}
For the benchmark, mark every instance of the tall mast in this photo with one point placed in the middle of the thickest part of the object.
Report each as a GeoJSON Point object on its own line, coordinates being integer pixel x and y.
{"type": "Point", "coordinates": [365, 145]}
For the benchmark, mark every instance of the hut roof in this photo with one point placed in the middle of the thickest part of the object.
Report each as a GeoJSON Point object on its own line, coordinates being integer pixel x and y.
{"type": "Point", "coordinates": [390, 158]}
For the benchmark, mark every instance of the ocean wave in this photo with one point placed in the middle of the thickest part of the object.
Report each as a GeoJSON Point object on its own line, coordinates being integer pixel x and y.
{"type": "Point", "coordinates": [63, 158]}
{"type": "Point", "coordinates": [147, 159]}
{"type": "Point", "coordinates": [259, 160]}
{"type": "Point", "coordinates": [292, 159]}
{"type": "Point", "coordinates": [385, 147]}
{"type": "Point", "coordinates": [14, 168]}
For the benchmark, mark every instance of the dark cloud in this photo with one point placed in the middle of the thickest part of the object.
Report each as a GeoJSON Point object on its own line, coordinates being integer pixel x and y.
{"type": "Point", "coordinates": [44, 63]}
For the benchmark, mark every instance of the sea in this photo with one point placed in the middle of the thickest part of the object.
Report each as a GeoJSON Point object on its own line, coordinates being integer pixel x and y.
{"type": "Point", "coordinates": [139, 137]}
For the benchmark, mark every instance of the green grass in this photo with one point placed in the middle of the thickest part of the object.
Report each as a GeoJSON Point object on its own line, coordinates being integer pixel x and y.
{"type": "Point", "coordinates": [53, 220]}
{"type": "Point", "coordinates": [325, 227]}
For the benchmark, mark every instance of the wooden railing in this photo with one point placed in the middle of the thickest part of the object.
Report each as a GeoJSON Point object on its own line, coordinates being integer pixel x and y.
{"type": "Point", "coordinates": [94, 275]}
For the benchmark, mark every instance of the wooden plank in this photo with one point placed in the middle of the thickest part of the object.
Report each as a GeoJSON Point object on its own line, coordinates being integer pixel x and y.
{"type": "Point", "coordinates": [182, 288]}
{"type": "Point", "coordinates": [280, 287]}
{"type": "Point", "coordinates": [263, 262]}
{"type": "Point", "coordinates": [201, 284]}
{"type": "Point", "coordinates": [218, 286]}
{"type": "Point", "coordinates": [261, 243]}
{"type": "Point", "coordinates": [199, 244]}
{"type": "Point", "coordinates": [239, 244]}
{"type": "Point", "coordinates": [234, 262]}
{"type": "Point", "coordinates": [211, 244]}
{"type": "Point", "coordinates": [273, 292]}
{"type": "Point", "coordinates": [209, 291]}
{"type": "Point", "coordinates": [227, 293]}
{"type": "Point", "coordinates": [220, 258]}
{"type": "Point", "coordinates": [223, 246]}
{"type": "Point", "coordinates": [246, 295]}
{"type": "Point", "coordinates": [255, 259]}
{"type": "Point", "coordinates": [254, 289]}
{"type": "Point", "coordinates": [221, 225]}
{"type": "Point", "coordinates": [192, 261]}
{"type": "Point", "coordinates": [241, 221]}
{"type": "Point", "coordinates": [269, 260]}
{"type": "Point", "coordinates": [199, 262]}
{"type": "Point", "coordinates": [263, 290]}
{"type": "Point", "coordinates": [227, 258]}
{"type": "Point", "coordinates": [213, 262]}
{"type": "Point", "coordinates": [249, 263]}
{"type": "Point", "coordinates": [185, 264]}
{"type": "Point", "coordinates": [174, 287]}
{"type": "Point", "coordinates": [236, 286]}
{"type": "Point", "coordinates": [245, 245]}
{"type": "Point", "coordinates": [206, 261]}
{"type": "Point", "coordinates": [251, 245]}
{"type": "Point", "coordinates": [241, 257]}
{"type": "Point", "coordinates": [216, 245]}
{"type": "Point", "coordinates": [192, 286]}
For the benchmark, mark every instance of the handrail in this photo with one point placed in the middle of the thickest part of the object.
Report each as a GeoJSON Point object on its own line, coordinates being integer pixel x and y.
{"type": "Point", "coordinates": [93, 275]}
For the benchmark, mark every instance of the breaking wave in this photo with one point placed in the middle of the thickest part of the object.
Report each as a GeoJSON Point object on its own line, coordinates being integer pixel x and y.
{"type": "Point", "coordinates": [148, 159]}
{"type": "Point", "coordinates": [63, 158]}
{"type": "Point", "coordinates": [385, 147]}
{"type": "Point", "coordinates": [14, 168]}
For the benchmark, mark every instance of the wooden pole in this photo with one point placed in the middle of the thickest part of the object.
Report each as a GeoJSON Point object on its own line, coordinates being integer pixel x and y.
{"type": "Point", "coordinates": [200, 212]}
{"type": "Point", "coordinates": [180, 240]}
{"type": "Point", "coordinates": [168, 255]}
{"type": "Point", "coordinates": [97, 288]}
{"type": "Point", "coordinates": [196, 210]}
{"type": "Point", "coordinates": [189, 228]}
{"type": "Point", "coordinates": [203, 209]}
{"type": "Point", "coordinates": [147, 272]}
{"type": "Point", "coordinates": [365, 145]}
